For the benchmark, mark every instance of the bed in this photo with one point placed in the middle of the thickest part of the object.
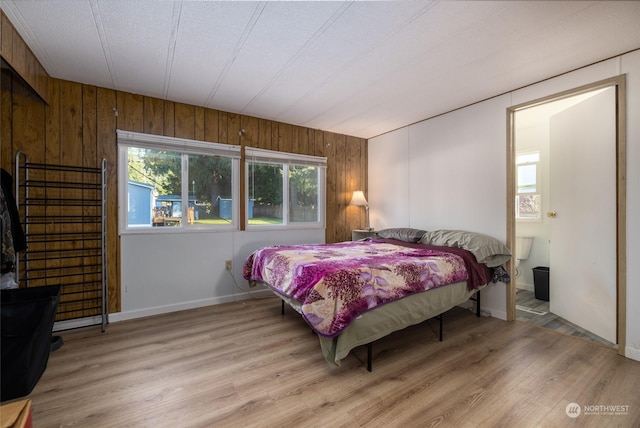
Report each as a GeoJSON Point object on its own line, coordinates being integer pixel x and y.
{"type": "Point", "coordinates": [354, 293]}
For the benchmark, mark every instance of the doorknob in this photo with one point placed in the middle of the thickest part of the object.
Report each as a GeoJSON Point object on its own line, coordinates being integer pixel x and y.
{"type": "Point", "coordinates": [552, 214]}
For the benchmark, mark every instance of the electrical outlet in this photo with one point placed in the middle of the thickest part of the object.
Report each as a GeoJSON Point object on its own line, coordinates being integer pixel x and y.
{"type": "Point", "coordinates": [227, 264]}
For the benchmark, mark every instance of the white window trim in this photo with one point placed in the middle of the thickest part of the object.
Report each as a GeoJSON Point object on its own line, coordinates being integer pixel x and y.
{"type": "Point", "coordinates": [263, 155]}
{"type": "Point", "coordinates": [126, 139]}
{"type": "Point", "coordinates": [184, 145]}
{"type": "Point", "coordinates": [286, 159]}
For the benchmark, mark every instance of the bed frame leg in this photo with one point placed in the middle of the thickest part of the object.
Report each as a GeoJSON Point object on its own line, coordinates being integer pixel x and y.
{"type": "Point", "coordinates": [369, 355]}
{"type": "Point", "coordinates": [282, 309]}
{"type": "Point", "coordinates": [441, 318]}
{"type": "Point", "coordinates": [478, 303]}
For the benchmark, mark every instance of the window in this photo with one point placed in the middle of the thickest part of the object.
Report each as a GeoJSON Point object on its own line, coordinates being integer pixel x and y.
{"type": "Point", "coordinates": [284, 189]}
{"type": "Point", "coordinates": [528, 205]}
{"type": "Point", "coordinates": [172, 183]}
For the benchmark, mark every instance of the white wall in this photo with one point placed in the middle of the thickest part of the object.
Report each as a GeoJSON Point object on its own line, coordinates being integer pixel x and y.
{"type": "Point", "coordinates": [389, 174]}
{"type": "Point", "coordinates": [166, 272]}
{"type": "Point", "coordinates": [457, 173]}
{"type": "Point", "coordinates": [444, 169]}
{"type": "Point", "coordinates": [444, 179]}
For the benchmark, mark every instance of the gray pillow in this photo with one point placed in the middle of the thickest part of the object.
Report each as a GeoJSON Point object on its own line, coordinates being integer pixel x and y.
{"type": "Point", "coordinates": [487, 250]}
{"type": "Point", "coordinates": [406, 234]}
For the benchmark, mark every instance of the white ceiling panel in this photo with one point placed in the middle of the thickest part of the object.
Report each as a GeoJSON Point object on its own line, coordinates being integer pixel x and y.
{"type": "Point", "coordinates": [57, 50]}
{"type": "Point", "coordinates": [210, 37]}
{"type": "Point", "coordinates": [290, 27]}
{"type": "Point", "coordinates": [332, 62]}
{"type": "Point", "coordinates": [358, 68]}
{"type": "Point", "coordinates": [136, 44]}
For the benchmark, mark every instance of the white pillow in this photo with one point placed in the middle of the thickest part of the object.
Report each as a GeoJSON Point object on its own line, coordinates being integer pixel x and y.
{"type": "Point", "coordinates": [406, 234]}
{"type": "Point", "coordinates": [487, 250]}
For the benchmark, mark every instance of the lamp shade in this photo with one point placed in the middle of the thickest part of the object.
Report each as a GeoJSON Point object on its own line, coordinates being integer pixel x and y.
{"type": "Point", "coordinates": [358, 199]}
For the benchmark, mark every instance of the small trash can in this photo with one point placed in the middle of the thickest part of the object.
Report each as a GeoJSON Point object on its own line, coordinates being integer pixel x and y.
{"type": "Point", "coordinates": [26, 321]}
{"type": "Point", "coordinates": [541, 282]}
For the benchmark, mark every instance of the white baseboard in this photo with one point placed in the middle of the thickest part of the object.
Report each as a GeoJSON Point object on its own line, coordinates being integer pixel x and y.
{"type": "Point", "coordinates": [147, 312]}
{"type": "Point", "coordinates": [77, 323]}
{"type": "Point", "coordinates": [495, 313]}
{"type": "Point", "coordinates": [632, 353]}
{"type": "Point", "coordinates": [523, 286]}
{"type": "Point", "coordinates": [484, 310]}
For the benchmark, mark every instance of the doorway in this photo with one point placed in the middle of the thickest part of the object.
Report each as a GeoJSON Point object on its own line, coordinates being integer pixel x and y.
{"type": "Point", "coordinates": [557, 239]}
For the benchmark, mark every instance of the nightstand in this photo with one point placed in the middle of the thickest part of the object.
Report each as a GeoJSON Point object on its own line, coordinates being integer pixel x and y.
{"type": "Point", "coordinates": [359, 234]}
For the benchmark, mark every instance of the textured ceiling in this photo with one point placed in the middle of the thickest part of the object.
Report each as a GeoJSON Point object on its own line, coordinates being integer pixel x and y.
{"type": "Point", "coordinates": [357, 68]}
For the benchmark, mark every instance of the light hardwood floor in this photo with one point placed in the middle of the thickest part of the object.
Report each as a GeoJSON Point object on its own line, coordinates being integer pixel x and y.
{"type": "Point", "coordinates": [244, 364]}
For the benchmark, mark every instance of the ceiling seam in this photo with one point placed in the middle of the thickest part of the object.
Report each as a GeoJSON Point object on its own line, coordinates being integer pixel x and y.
{"type": "Point", "coordinates": [356, 59]}
{"type": "Point", "coordinates": [328, 23]}
{"type": "Point", "coordinates": [236, 50]}
{"type": "Point", "coordinates": [171, 49]}
{"type": "Point", "coordinates": [95, 11]}
{"type": "Point", "coordinates": [509, 92]}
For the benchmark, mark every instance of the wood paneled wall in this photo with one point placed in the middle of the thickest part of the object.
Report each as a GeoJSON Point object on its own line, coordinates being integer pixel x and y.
{"type": "Point", "coordinates": [16, 52]}
{"type": "Point", "coordinates": [78, 127]}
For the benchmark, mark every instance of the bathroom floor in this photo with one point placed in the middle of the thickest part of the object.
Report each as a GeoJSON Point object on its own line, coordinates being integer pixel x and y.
{"type": "Point", "coordinates": [534, 311]}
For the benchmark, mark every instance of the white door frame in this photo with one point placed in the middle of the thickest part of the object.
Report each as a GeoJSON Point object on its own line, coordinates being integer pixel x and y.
{"type": "Point", "coordinates": [619, 82]}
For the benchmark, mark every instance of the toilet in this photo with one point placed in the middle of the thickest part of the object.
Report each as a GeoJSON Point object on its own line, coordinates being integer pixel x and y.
{"type": "Point", "coordinates": [523, 248]}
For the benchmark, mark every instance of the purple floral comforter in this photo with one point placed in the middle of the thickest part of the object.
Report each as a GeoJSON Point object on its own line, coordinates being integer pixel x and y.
{"type": "Point", "coordinates": [335, 283]}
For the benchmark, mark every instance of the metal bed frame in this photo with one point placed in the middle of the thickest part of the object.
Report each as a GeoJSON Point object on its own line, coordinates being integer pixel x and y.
{"type": "Point", "coordinates": [440, 318]}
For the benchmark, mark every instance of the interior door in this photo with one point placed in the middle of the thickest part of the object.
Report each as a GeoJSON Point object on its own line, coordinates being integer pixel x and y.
{"type": "Point", "coordinates": [582, 214]}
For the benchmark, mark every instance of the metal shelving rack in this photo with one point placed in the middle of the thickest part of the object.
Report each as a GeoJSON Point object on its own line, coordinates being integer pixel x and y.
{"type": "Point", "coordinates": [63, 212]}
